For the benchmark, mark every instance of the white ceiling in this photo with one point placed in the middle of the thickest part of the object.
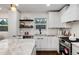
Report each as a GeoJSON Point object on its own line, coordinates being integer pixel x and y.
{"type": "Point", "coordinates": [33, 7]}
{"type": "Point", "coordinates": [4, 7]}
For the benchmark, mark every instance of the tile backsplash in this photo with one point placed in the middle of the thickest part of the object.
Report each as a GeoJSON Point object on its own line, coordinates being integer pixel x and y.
{"type": "Point", "coordinates": [75, 29]}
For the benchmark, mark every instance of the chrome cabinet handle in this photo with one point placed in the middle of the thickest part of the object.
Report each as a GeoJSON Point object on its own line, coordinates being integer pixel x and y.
{"type": "Point", "coordinates": [39, 38]}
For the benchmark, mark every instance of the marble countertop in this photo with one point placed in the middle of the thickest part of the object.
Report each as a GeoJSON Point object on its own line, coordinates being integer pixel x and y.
{"type": "Point", "coordinates": [17, 46]}
{"type": "Point", "coordinates": [3, 46]}
{"type": "Point", "coordinates": [76, 44]}
{"type": "Point", "coordinates": [21, 47]}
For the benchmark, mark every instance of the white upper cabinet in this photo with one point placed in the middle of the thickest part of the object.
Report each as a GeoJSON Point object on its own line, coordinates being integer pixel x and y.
{"type": "Point", "coordinates": [54, 19]}
{"type": "Point", "coordinates": [70, 13]}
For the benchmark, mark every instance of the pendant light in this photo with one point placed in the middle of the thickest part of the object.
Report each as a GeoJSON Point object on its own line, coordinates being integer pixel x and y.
{"type": "Point", "coordinates": [13, 7]}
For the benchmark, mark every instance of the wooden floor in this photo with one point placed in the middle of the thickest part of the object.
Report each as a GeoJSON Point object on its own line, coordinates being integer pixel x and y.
{"type": "Point", "coordinates": [47, 53]}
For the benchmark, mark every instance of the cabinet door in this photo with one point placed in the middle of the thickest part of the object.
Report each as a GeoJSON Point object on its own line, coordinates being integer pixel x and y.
{"type": "Point", "coordinates": [75, 50]}
{"type": "Point", "coordinates": [41, 43]}
{"type": "Point", "coordinates": [38, 42]}
{"type": "Point", "coordinates": [49, 43]}
{"type": "Point", "coordinates": [71, 14]}
{"type": "Point", "coordinates": [44, 44]}
{"type": "Point", "coordinates": [64, 14]}
{"type": "Point", "coordinates": [53, 43]}
{"type": "Point", "coordinates": [54, 19]}
{"type": "Point", "coordinates": [56, 43]}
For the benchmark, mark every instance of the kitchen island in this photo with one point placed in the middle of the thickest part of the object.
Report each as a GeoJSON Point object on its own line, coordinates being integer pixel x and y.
{"type": "Point", "coordinates": [18, 47]}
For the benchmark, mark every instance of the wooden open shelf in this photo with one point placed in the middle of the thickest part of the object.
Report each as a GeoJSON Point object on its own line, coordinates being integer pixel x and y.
{"type": "Point", "coordinates": [26, 20]}
{"type": "Point", "coordinates": [26, 26]}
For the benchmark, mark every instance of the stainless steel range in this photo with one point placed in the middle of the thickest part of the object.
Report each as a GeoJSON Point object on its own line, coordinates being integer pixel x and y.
{"type": "Point", "coordinates": [65, 45]}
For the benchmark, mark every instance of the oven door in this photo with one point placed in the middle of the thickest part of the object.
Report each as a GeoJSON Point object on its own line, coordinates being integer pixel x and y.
{"type": "Point", "coordinates": [64, 50]}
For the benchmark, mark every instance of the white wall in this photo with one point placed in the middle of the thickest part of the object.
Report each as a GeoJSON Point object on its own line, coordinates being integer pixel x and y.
{"type": "Point", "coordinates": [4, 15]}
{"type": "Point", "coordinates": [12, 23]}
{"type": "Point", "coordinates": [32, 15]}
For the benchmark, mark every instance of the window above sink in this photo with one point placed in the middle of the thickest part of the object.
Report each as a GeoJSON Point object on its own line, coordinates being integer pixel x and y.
{"type": "Point", "coordinates": [40, 20]}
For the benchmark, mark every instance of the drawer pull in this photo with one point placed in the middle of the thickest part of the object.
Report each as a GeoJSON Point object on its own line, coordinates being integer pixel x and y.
{"type": "Point", "coordinates": [39, 38]}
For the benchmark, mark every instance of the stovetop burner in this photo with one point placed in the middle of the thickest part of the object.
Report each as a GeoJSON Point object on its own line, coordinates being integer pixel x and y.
{"type": "Point", "coordinates": [67, 39]}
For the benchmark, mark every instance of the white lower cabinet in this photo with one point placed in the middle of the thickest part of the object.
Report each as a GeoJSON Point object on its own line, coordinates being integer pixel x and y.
{"type": "Point", "coordinates": [47, 43]}
{"type": "Point", "coordinates": [75, 50]}
{"type": "Point", "coordinates": [41, 43]}
{"type": "Point", "coordinates": [53, 43]}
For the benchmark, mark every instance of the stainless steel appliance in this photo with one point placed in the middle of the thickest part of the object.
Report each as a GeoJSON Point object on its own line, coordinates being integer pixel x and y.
{"type": "Point", "coordinates": [65, 45]}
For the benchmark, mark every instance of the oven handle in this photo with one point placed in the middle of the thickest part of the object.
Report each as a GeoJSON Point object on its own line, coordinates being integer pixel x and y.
{"type": "Point", "coordinates": [65, 45]}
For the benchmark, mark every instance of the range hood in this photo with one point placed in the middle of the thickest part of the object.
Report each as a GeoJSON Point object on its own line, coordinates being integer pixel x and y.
{"type": "Point", "coordinates": [73, 21]}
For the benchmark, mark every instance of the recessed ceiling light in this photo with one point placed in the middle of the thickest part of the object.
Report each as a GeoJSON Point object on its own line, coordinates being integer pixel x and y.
{"type": "Point", "coordinates": [0, 8]}
{"type": "Point", "coordinates": [17, 4]}
{"type": "Point", "coordinates": [47, 4]}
